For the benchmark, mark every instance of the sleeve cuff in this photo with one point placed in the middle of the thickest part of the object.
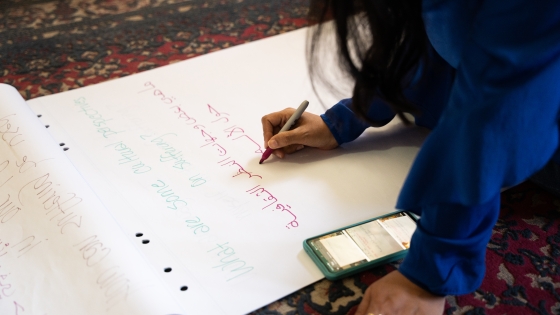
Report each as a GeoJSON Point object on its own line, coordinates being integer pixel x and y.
{"type": "Point", "coordinates": [346, 126]}
{"type": "Point", "coordinates": [447, 253]}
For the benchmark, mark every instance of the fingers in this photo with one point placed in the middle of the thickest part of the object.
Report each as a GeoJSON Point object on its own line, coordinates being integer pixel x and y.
{"type": "Point", "coordinates": [364, 305]}
{"type": "Point", "coordinates": [395, 294]}
{"type": "Point", "coordinates": [272, 123]}
{"type": "Point", "coordinates": [310, 130]}
{"type": "Point", "coordinates": [285, 139]}
{"type": "Point", "coordinates": [284, 145]}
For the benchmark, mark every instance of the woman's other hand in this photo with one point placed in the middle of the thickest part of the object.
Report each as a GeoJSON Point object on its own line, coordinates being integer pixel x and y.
{"type": "Point", "coordinates": [394, 294]}
{"type": "Point", "coordinates": [309, 130]}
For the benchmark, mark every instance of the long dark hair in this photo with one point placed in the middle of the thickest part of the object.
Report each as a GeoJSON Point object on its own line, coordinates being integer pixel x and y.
{"type": "Point", "coordinates": [379, 43]}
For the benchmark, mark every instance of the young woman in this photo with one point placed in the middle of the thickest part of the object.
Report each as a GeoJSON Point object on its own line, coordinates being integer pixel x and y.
{"type": "Point", "coordinates": [484, 75]}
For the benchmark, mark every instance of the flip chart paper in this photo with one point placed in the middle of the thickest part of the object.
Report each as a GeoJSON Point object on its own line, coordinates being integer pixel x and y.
{"type": "Point", "coordinates": [61, 251]}
{"type": "Point", "coordinates": [173, 153]}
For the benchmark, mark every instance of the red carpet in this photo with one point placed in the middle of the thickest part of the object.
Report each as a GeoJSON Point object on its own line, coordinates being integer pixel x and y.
{"type": "Point", "coordinates": [52, 46]}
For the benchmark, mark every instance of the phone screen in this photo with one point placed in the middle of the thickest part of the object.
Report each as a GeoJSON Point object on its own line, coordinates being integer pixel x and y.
{"type": "Point", "coordinates": [365, 242]}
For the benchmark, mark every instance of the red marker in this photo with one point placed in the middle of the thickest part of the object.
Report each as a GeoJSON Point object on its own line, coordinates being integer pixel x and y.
{"type": "Point", "coordinates": [295, 116]}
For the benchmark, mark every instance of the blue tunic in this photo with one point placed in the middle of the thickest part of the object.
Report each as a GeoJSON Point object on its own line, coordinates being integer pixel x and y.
{"type": "Point", "coordinates": [491, 95]}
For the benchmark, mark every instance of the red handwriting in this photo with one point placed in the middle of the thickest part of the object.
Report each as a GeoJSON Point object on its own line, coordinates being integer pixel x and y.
{"type": "Point", "coordinates": [258, 150]}
{"type": "Point", "coordinates": [231, 132]}
{"type": "Point", "coordinates": [269, 197]}
{"type": "Point", "coordinates": [3, 248]}
{"type": "Point", "coordinates": [240, 170]}
{"type": "Point", "coordinates": [208, 138]}
{"type": "Point", "coordinates": [7, 290]}
{"type": "Point", "coordinates": [181, 114]}
{"type": "Point", "coordinates": [239, 132]}
{"type": "Point", "coordinates": [259, 191]}
{"type": "Point", "coordinates": [18, 307]}
{"type": "Point", "coordinates": [158, 93]}
{"type": "Point", "coordinates": [217, 114]}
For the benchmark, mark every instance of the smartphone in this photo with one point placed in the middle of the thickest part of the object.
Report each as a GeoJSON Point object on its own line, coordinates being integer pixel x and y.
{"type": "Point", "coordinates": [360, 246]}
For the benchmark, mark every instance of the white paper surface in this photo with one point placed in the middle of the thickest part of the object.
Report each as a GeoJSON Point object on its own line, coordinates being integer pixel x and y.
{"type": "Point", "coordinates": [173, 154]}
{"type": "Point", "coordinates": [61, 252]}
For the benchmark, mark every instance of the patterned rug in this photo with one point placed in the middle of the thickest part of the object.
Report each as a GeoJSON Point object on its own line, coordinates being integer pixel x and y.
{"type": "Point", "coordinates": [49, 46]}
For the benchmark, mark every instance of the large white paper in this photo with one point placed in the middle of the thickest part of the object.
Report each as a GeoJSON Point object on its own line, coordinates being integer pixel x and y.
{"type": "Point", "coordinates": [173, 154]}
{"type": "Point", "coordinates": [61, 252]}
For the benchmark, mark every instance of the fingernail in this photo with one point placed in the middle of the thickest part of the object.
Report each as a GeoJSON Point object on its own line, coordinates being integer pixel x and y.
{"type": "Point", "coordinates": [273, 144]}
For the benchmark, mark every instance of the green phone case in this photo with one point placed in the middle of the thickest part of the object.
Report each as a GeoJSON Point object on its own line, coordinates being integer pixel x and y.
{"type": "Point", "coordinates": [320, 262]}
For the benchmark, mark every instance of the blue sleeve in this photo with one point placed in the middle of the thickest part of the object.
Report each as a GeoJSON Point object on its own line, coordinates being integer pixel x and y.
{"type": "Point", "coordinates": [346, 126]}
{"type": "Point", "coordinates": [446, 258]}
{"type": "Point", "coordinates": [429, 91]}
{"type": "Point", "coordinates": [500, 126]}
{"type": "Point", "coordinates": [501, 123]}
